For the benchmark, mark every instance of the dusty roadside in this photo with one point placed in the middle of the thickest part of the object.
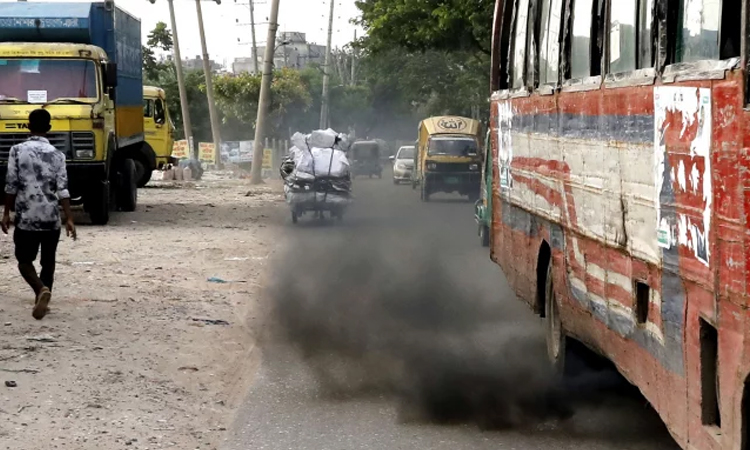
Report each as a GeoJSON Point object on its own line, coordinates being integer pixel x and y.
{"type": "Point", "coordinates": [140, 350]}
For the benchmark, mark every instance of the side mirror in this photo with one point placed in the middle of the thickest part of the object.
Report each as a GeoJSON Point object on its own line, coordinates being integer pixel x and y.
{"type": "Point", "coordinates": [110, 75]}
{"type": "Point", "coordinates": [392, 157]}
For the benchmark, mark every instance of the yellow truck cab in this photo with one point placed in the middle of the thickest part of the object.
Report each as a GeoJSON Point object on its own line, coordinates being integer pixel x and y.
{"type": "Point", "coordinates": [82, 63]}
{"type": "Point", "coordinates": [448, 157]}
{"type": "Point", "coordinates": [158, 127]}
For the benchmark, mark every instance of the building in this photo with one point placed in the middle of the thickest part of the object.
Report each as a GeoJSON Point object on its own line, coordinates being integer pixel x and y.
{"type": "Point", "coordinates": [292, 50]}
{"type": "Point", "coordinates": [197, 64]}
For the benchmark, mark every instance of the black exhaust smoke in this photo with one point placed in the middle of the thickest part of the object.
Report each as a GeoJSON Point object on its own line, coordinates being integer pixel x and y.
{"type": "Point", "coordinates": [388, 315]}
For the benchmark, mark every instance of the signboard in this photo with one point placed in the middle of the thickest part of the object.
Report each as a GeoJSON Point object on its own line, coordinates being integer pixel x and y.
{"type": "Point", "coordinates": [207, 152]}
{"type": "Point", "coordinates": [268, 158]}
{"type": "Point", "coordinates": [180, 150]}
{"type": "Point", "coordinates": [237, 152]}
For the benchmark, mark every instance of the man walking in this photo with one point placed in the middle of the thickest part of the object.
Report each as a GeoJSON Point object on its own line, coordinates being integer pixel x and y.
{"type": "Point", "coordinates": [36, 183]}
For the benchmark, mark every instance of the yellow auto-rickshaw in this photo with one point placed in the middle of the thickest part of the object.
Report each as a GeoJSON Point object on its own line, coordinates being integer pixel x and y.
{"type": "Point", "coordinates": [448, 157]}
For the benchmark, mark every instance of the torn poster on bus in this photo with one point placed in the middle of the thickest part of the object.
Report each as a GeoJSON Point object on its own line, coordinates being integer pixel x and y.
{"type": "Point", "coordinates": [505, 144]}
{"type": "Point", "coordinates": [682, 151]}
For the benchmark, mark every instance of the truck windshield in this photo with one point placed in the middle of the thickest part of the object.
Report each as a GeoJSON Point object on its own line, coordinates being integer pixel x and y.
{"type": "Point", "coordinates": [453, 146]}
{"type": "Point", "coordinates": [47, 80]}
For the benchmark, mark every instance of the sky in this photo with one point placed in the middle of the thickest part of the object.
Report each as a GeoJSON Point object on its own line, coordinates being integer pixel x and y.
{"type": "Point", "coordinates": [223, 29]}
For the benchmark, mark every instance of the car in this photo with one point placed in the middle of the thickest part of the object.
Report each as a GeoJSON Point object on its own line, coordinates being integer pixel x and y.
{"type": "Point", "coordinates": [403, 164]}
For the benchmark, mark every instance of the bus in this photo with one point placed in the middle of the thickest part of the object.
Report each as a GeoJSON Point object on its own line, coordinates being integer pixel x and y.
{"type": "Point", "coordinates": [621, 199]}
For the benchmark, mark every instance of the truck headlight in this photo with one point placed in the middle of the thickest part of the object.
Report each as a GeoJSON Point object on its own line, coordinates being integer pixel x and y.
{"type": "Point", "coordinates": [474, 167]}
{"type": "Point", "coordinates": [84, 154]}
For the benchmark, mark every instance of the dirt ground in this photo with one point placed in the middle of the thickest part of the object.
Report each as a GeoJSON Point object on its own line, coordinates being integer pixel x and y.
{"type": "Point", "coordinates": [140, 350]}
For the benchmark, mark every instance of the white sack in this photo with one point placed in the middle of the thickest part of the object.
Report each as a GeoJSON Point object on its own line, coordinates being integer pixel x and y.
{"type": "Point", "coordinates": [322, 138]}
{"type": "Point", "coordinates": [329, 163]}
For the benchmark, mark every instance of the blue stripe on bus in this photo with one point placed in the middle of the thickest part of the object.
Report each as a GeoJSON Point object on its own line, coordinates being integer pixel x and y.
{"type": "Point", "coordinates": [635, 129]}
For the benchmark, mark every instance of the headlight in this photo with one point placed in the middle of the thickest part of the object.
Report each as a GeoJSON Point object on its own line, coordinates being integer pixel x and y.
{"type": "Point", "coordinates": [474, 167]}
{"type": "Point", "coordinates": [84, 154]}
{"type": "Point", "coordinates": [400, 166]}
{"type": "Point", "coordinates": [432, 166]}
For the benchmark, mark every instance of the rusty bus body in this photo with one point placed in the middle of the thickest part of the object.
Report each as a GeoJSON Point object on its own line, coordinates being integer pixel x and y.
{"type": "Point", "coordinates": [621, 194]}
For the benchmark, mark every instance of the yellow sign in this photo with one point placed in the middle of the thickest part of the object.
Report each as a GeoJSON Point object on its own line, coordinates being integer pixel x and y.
{"type": "Point", "coordinates": [206, 152]}
{"type": "Point", "coordinates": [180, 149]}
{"type": "Point", "coordinates": [267, 158]}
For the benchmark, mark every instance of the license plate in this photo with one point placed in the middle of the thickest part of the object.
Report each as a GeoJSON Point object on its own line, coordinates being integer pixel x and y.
{"type": "Point", "coordinates": [451, 180]}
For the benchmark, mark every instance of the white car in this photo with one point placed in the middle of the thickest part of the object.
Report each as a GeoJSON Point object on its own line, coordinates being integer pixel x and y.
{"type": "Point", "coordinates": [403, 164]}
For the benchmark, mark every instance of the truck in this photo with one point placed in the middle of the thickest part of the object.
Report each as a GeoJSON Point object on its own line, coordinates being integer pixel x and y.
{"type": "Point", "coordinates": [159, 131]}
{"type": "Point", "coordinates": [81, 62]}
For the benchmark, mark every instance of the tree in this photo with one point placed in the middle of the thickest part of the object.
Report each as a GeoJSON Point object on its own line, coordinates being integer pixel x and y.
{"type": "Point", "coordinates": [455, 25]}
{"type": "Point", "coordinates": [237, 98]}
{"type": "Point", "coordinates": [160, 37]}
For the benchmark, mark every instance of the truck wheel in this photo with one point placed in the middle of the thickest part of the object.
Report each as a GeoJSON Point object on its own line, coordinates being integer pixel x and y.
{"type": "Point", "coordinates": [97, 204]}
{"type": "Point", "coordinates": [128, 190]}
{"type": "Point", "coordinates": [484, 235]}
{"type": "Point", "coordinates": [142, 174]}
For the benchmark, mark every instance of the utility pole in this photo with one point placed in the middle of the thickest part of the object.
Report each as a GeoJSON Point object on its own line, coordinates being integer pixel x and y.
{"type": "Point", "coordinates": [252, 31]}
{"type": "Point", "coordinates": [327, 73]}
{"type": "Point", "coordinates": [181, 83]}
{"type": "Point", "coordinates": [215, 131]}
{"type": "Point", "coordinates": [265, 94]}
{"type": "Point", "coordinates": [353, 78]}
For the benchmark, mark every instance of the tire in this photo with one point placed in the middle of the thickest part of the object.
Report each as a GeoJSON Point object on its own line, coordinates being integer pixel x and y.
{"type": "Point", "coordinates": [295, 218]}
{"type": "Point", "coordinates": [414, 185]}
{"type": "Point", "coordinates": [127, 200]}
{"type": "Point", "coordinates": [142, 175]}
{"type": "Point", "coordinates": [97, 204]}
{"type": "Point", "coordinates": [396, 182]}
{"type": "Point", "coordinates": [484, 235]}
{"type": "Point", "coordinates": [555, 335]}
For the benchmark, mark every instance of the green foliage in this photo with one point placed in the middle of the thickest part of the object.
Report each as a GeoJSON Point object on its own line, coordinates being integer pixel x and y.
{"type": "Point", "coordinates": [237, 98]}
{"type": "Point", "coordinates": [160, 37]}
{"type": "Point", "coordinates": [447, 25]}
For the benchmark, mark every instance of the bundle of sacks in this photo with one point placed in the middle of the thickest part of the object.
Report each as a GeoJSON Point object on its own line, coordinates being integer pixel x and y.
{"type": "Point", "coordinates": [317, 169]}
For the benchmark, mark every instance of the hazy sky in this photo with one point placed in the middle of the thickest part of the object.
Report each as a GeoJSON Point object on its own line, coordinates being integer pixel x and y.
{"type": "Point", "coordinates": [222, 29]}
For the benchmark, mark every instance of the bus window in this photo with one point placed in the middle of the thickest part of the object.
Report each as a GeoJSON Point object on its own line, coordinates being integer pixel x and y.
{"type": "Point", "coordinates": [626, 51]}
{"type": "Point", "coordinates": [519, 44]}
{"type": "Point", "coordinates": [622, 36]}
{"type": "Point", "coordinates": [645, 38]}
{"type": "Point", "coordinates": [731, 24]}
{"type": "Point", "coordinates": [701, 38]}
{"type": "Point", "coordinates": [580, 52]}
{"type": "Point", "coordinates": [549, 53]}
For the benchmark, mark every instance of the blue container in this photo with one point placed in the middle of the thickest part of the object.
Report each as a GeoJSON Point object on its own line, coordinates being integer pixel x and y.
{"type": "Point", "coordinates": [97, 23]}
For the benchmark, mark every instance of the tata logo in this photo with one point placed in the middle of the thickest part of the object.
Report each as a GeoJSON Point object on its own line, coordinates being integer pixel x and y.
{"type": "Point", "coordinates": [452, 124]}
{"type": "Point", "coordinates": [16, 126]}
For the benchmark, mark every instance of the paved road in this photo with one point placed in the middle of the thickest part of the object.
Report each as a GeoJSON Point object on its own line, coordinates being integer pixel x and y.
{"type": "Point", "coordinates": [285, 409]}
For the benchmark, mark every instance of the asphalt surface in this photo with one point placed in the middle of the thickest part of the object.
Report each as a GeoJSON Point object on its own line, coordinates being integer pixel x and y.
{"type": "Point", "coordinates": [286, 410]}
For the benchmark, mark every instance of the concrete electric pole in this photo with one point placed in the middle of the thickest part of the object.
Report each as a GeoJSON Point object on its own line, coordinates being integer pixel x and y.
{"type": "Point", "coordinates": [327, 73]}
{"type": "Point", "coordinates": [186, 125]}
{"type": "Point", "coordinates": [215, 130]}
{"type": "Point", "coordinates": [265, 94]}
{"type": "Point", "coordinates": [252, 31]}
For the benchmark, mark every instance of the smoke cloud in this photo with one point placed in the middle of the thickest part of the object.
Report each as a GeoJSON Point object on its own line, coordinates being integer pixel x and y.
{"type": "Point", "coordinates": [373, 313]}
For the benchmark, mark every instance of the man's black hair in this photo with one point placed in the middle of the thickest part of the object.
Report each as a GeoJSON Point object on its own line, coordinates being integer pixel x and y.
{"type": "Point", "coordinates": [39, 121]}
